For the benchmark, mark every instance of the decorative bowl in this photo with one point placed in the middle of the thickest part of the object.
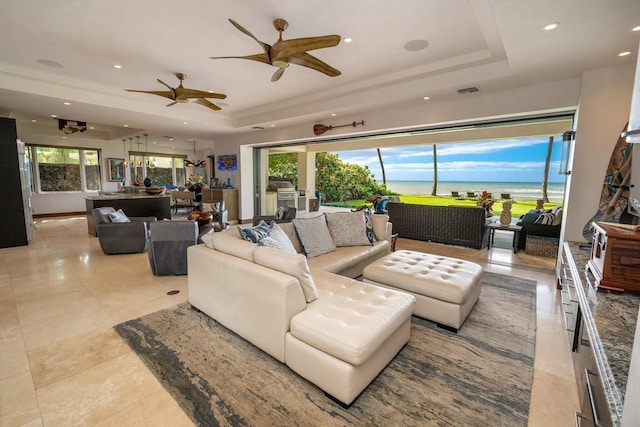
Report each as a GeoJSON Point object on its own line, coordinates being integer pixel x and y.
{"type": "Point", "coordinates": [154, 191]}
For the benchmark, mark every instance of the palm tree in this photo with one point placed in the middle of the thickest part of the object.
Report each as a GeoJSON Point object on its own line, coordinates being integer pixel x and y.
{"type": "Point", "coordinates": [384, 177]}
{"type": "Point", "coordinates": [435, 171]}
{"type": "Point", "coordinates": [545, 178]}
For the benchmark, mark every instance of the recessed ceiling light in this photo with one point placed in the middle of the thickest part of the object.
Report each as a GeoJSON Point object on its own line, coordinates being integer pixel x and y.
{"type": "Point", "coordinates": [551, 26]}
{"type": "Point", "coordinates": [272, 126]}
{"type": "Point", "coordinates": [624, 53]}
{"type": "Point", "coordinates": [34, 120]}
{"type": "Point", "coordinates": [185, 123]}
{"type": "Point", "coordinates": [426, 97]}
{"type": "Point", "coordinates": [416, 45]}
{"type": "Point", "coordinates": [117, 66]}
{"type": "Point", "coordinates": [636, 28]}
{"type": "Point", "coordinates": [91, 127]}
{"type": "Point", "coordinates": [154, 142]}
{"type": "Point", "coordinates": [50, 63]}
{"type": "Point", "coordinates": [64, 137]}
{"type": "Point", "coordinates": [348, 40]}
{"type": "Point", "coordinates": [173, 147]}
{"type": "Point", "coordinates": [333, 114]}
{"type": "Point", "coordinates": [54, 116]}
{"type": "Point", "coordinates": [66, 103]}
{"type": "Point", "coordinates": [126, 126]}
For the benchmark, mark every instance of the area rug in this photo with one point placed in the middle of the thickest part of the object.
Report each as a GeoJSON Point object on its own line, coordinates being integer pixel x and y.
{"type": "Point", "coordinates": [480, 376]}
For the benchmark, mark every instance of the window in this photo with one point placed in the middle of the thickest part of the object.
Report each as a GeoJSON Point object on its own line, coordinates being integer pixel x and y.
{"type": "Point", "coordinates": [162, 170]}
{"type": "Point", "coordinates": [66, 169]}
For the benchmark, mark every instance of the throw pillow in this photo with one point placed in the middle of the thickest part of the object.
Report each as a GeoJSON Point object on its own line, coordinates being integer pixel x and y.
{"type": "Point", "coordinates": [293, 264]}
{"type": "Point", "coordinates": [531, 216]}
{"type": "Point", "coordinates": [369, 225]}
{"type": "Point", "coordinates": [118, 216]}
{"type": "Point", "coordinates": [379, 223]}
{"type": "Point", "coordinates": [348, 228]}
{"type": "Point", "coordinates": [314, 235]}
{"type": "Point", "coordinates": [279, 213]}
{"type": "Point", "coordinates": [557, 211]}
{"type": "Point", "coordinates": [545, 218]}
{"type": "Point", "coordinates": [254, 234]}
{"type": "Point", "coordinates": [277, 239]}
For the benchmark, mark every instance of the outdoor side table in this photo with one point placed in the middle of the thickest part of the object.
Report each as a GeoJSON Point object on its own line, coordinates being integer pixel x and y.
{"type": "Point", "coordinates": [509, 227]}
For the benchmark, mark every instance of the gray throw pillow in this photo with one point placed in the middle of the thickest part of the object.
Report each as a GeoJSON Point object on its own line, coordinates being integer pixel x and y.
{"type": "Point", "coordinates": [348, 228]}
{"type": "Point", "coordinates": [277, 239]}
{"type": "Point", "coordinates": [314, 235]}
{"type": "Point", "coordinates": [118, 216]}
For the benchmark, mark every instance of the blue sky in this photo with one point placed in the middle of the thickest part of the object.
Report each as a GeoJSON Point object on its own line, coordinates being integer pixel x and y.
{"type": "Point", "coordinates": [507, 160]}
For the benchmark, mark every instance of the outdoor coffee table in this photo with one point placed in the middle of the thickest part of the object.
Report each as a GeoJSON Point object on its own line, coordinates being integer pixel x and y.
{"type": "Point", "coordinates": [509, 227]}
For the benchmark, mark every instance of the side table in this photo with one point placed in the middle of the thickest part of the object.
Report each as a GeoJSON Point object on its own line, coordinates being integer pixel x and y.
{"type": "Point", "coordinates": [510, 227]}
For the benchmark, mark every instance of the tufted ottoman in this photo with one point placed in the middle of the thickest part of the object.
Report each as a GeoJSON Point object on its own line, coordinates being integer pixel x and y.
{"type": "Point", "coordinates": [446, 289]}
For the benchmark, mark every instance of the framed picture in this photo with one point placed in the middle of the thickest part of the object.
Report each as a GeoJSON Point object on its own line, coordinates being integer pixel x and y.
{"type": "Point", "coordinates": [116, 169]}
{"type": "Point", "coordinates": [228, 162]}
{"type": "Point", "coordinates": [214, 183]}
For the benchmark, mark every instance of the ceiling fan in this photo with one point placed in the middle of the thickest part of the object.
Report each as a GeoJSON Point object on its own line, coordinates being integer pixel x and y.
{"type": "Point", "coordinates": [292, 51]}
{"type": "Point", "coordinates": [183, 95]}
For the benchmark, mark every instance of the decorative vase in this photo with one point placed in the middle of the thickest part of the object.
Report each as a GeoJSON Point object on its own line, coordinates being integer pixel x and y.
{"type": "Point", "coordinates": [147, 182]}
{"type": "Point", "coordinates": [505, 216]}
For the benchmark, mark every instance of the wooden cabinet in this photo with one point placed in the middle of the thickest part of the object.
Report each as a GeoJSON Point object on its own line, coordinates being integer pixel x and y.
{"type": "Point", "coordinates": [228, 196]}
{"type": "Point", "coordinates": [615, 258]}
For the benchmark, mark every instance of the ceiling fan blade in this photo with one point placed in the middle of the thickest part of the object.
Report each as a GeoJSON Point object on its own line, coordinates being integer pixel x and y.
{"type": "Point", "coordinates": [260, 57]}
{"type": "Point", "coordinates": [161, 82]}
{"type": "Point", "coordinates": [193, 93]}
{"type": "Point", "coordinates": [264, 46]}
{"type": "Point", "coordinates": [276, 76]}
{"type": "Point", "coordinates": [207, 104]}
{"type": "Point", "coordinates": [301, 45]}
{"type": "Point", "coordinates": [310, 61]}
{"type": "Point", "coordinates": [163, 93]}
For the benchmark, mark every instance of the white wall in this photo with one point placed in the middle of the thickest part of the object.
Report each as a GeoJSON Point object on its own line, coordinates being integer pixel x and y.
{"type": "Point", "coordinates": [605, 100]}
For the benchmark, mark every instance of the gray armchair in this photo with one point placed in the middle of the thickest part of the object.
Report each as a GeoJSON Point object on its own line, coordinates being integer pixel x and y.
{"type": "Point", "coordinates": [121, 237]}
{"type": "Point", "coordinates": [167, 243]}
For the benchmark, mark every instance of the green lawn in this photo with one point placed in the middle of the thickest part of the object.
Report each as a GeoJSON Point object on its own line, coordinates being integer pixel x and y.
{"type": "Point", "coordinates": [518, 207]}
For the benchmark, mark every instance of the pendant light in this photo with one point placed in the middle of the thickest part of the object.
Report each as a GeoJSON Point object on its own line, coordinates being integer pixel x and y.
{"type": "Point", "coordinates": [124, 152]}
{"type": "Point", "coordinates": [146, 149]}
{"type": "Point", "coordinates": [139, 161]}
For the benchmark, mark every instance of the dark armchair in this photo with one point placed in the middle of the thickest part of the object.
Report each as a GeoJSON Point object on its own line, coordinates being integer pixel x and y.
{"type": "Point", "coordinates": [167, 243]}
{"type": "Point", "coordinates": [120, 237]}
{"type": "Point", "coordinates": [287, 215]}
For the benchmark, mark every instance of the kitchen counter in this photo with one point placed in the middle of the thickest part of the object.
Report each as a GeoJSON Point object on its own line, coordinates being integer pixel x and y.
{"type": "Point", "coordinates": [132, 204]}
{"type": "Point", "coordinates": [610, 322]}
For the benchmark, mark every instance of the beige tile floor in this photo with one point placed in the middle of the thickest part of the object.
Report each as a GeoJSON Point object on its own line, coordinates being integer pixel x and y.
{"type": "Point", "coordinates": [61, 363]}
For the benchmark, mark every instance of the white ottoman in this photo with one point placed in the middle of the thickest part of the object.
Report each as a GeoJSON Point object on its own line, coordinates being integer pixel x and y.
{"type": "Point", "coordinates": [446, 289]}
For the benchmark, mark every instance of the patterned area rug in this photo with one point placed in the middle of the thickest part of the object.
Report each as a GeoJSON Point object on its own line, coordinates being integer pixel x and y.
{"type": "Point", "coordinates": [480, 376]}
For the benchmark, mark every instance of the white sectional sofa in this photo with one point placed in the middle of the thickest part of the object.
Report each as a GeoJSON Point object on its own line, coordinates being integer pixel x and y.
{"type": "Point", "coordinates": [336, 332]}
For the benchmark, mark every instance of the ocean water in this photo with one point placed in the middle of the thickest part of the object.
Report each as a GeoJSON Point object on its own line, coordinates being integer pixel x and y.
{"type": "Point", "coordinates": [517, 190]}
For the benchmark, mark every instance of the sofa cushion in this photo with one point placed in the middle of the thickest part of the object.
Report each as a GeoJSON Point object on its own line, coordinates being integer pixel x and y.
{"type": "Point", "coordinates": [314, 235]}
{"type": "Point", "coordinates": [351, 319]}
{"type": "Point", "coordinates": [230, 243]}
{"type": "Point", "coordinates": [347, 256]}
{"type": "Point", "coordinates": [254, 234]}
{"type": "Point", "coordinates": [290, 231]}
{"type": "Point", "coordinates": [277, 239]}
{"type": "Point", "coordinates": [348, 228]}
{"type": "Point", "coordinates": [379, 223]}
{"type": "Point", "coordinates": [557, 219]}
{"type": "Point", "coordinates": [118, 216]}
{"type": "Point", "coordinates": [292, 264]}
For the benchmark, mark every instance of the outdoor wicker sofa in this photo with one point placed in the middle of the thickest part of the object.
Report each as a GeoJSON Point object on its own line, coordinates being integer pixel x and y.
{"type": "Point", "coordinates": [451, 225]}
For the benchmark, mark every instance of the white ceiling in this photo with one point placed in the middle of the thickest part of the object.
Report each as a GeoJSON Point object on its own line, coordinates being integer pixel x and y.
{"type": "Point", "coordinates": [491, 44]}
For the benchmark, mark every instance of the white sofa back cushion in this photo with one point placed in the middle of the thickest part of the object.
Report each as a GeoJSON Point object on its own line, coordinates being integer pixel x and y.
{"type": "Point", "coordinates": [293, 264]}
{"type": "Point", "coordinates": [290, 230]}
{"type": "Point", "coordinates": [380, 225]}
{"type": "Point", "coordinates": [348, 228]}
{"type": "Point", "coordinates": [229, 242]}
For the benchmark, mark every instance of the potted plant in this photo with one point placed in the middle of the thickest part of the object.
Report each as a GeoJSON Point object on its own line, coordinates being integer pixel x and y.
{"type": "Point", "coordinates": [485, 200]}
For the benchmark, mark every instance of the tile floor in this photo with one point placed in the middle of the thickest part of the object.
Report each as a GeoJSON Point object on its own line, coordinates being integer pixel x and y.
{"type": "Point", "coordinates": [61, 363]}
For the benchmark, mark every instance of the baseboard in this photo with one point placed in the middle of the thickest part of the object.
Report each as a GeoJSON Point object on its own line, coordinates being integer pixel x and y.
{"type": "Point", "coordinates": [51, 215]}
